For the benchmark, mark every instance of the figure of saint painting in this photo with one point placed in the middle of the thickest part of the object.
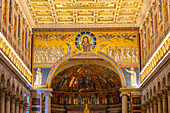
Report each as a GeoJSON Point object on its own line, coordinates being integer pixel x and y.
{"type": "Point", "coordinates": [85, 41]}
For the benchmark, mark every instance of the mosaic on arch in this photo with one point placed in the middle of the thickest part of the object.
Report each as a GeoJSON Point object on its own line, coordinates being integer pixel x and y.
{"type": "Point", "coordinates": [119, 44]}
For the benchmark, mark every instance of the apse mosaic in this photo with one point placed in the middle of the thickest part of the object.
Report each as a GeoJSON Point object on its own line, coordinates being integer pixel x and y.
{"type": "Point", "coordinates": [95, 83]}
{"type": "Point", "coordinates": [119, 44]}
{"type": "Point", "coordinates": [86, 78]}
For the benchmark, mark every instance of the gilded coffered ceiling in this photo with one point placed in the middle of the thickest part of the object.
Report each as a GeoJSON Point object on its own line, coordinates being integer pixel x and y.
{"type": "Point", "coordinates": [85, 11]}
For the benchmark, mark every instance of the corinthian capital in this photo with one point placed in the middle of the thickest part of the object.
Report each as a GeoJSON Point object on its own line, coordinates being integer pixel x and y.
{"type": "Point", "coordinates": [168, 90]}
{"type": "Point", "coordinates": [155, 100]}
{"type": "Point", "coordinates": [13, 96]}
{"type": "Point", "coordinates": [2, 89]}
{"type": "Point", "coordinates": [8, 95]}
{"type": "Point", "coordinates": [164, 93]}
{"type": "Point", "coordinates": [159, 97]}
{"type": "Point", "coordinates": [125, 94]}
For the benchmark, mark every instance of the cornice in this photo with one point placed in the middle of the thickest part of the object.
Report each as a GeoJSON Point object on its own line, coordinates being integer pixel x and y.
{"type": "Point", "coordinates": [14, 73]}
{"type": "Point", "coordinates": [83, 25]}
{"type": "Point", "coordinates": [26, 12]}
{"type": "Point", "coordinates": [143, 15]}
{"type": "Point", "coordinates": [158, 69]}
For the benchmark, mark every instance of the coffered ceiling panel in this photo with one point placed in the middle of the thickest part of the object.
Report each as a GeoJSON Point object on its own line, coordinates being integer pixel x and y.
{"type": "Point", "coordinates": [85, 11]}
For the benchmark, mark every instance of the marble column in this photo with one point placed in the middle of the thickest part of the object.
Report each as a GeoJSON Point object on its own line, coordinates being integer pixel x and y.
{"type": "Point", "coordinates": [8, 94]}
{"type": "Point", "coordinates": [48, 102]}
{"type": "Point", "coordinates": [2, 100]}
{"type": "Point", "coordinates": [124, 103]}
{"type": "Point", "coordinates": [21, 106]}
{"type": "Point", "coordinates": [159, 104]}
{"type": "Point", "coordinates": [13, 104]}
{"type": "Point", "coordinates": [24, 107]}
{"type": "Point", "coordinates": [164, 102]}
{"type": "Point", "coordinates": [144, 108]}
{"type": "Point", "coordinates": [148, 106]}
{"type": "Point", "coordinates": [155, 105]}
{"type": "Point", "coordinates": [169, 100]}
{"type": "Point", "coordinates": [17, 105]}
{"type": "Point", "coordinates": [151, 106]}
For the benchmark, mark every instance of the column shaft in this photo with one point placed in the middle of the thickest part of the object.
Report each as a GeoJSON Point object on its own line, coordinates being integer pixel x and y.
{"type": "Point", "coordinates": [144, 108]}
{"type": "Point", "coordinates": [148, 111]}
{"type": "Point", "coordinates": [13, 105]}
{"type": "Point", "coordinates": [155, 107]}
{"type": "Point", "coordinates": [168, 101]}
{"type": "Point", "coordinates": [47, 104]}
{"type": "Point", "coordinates": [151, 108]}
{"type": "Point", "coordinates": [24, 111]}
{"type": "Point", "coordinates": [159, 105]}
{"type": "Point", "coordinates": [17, 107]}
{"type": "Point", "coordinates": [124, 104]}
{"type": "Point", "coordinates": [164, 104]}
{"type": "Point", "coordinates": [2, 102]}
{"type": "Point", "coordinates": [7, 103]}
{"type": "Point", "coordinates": [21, 109]}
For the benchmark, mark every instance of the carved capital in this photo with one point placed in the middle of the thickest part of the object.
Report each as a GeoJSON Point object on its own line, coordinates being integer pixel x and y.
{"type": "Point", "coordinates": [2, 94]}
{"type": "Point", "coordinates": [2, 90]}
{"type": "Point", "coordinates": [13, 98]}
{"type": "Point", "coordinates": [25, 104]}
{"type": "Point", "coordinates": [159, 95]}
{"type": "Point", "coordinates": [164, 93]}
{"type": "Point", "coordinates": [155, 100]}
{"type": "Point", "coordinates": [125, 94]}
{"type": "Point", "coordinates": [151, 102]}
{"type": "Point", "coordinates": [17, 101]}
{"type": "Point", "coordinates": [8, 95]}
{"type": "Point", "coordinates": [21, 103]}
{"type": "Point", "coordinates": [144, 107]}
{"type": "Point", "coordinates": [168, 90]}
{"type": "Point", "coordinates": [147, 103]}
{"type": "Point", "coordinates": [48, 94]}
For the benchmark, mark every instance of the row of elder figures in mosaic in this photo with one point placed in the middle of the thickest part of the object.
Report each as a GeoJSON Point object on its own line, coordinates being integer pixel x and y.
{"type": "Point", "coordinates": [125, 54]}
{"type": "Point", "coordinates": [51, 55]}
{"type": "Point", "coordinates": [47, 54]}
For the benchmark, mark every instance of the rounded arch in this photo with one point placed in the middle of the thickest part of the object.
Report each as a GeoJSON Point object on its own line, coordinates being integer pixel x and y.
{"type": "Point", "coordinates": [163, 83]}
{"type": "Point", "coordinates": [3, 80]}
{"type": "Point", "coordinates": [13, 88]}
{"type": "Point", "coordinates": [17, 92]}
{"type": "Point", "coordinates": [99, 54]}
{"type": "Point", "coordinates": [21, 94]}
{"type": "Point", "coordinates": [154, 90]}
{"type": "Point", "coordinates": [144, 98]}
{"type": "Point", "coordinates": [147, 95]}
{"type": "Point", "coordinates": [8, 85]}
{"type": "Point", "coordinates": [150, 93]}
{"type": "Point", "coordinates": [159, 86]}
